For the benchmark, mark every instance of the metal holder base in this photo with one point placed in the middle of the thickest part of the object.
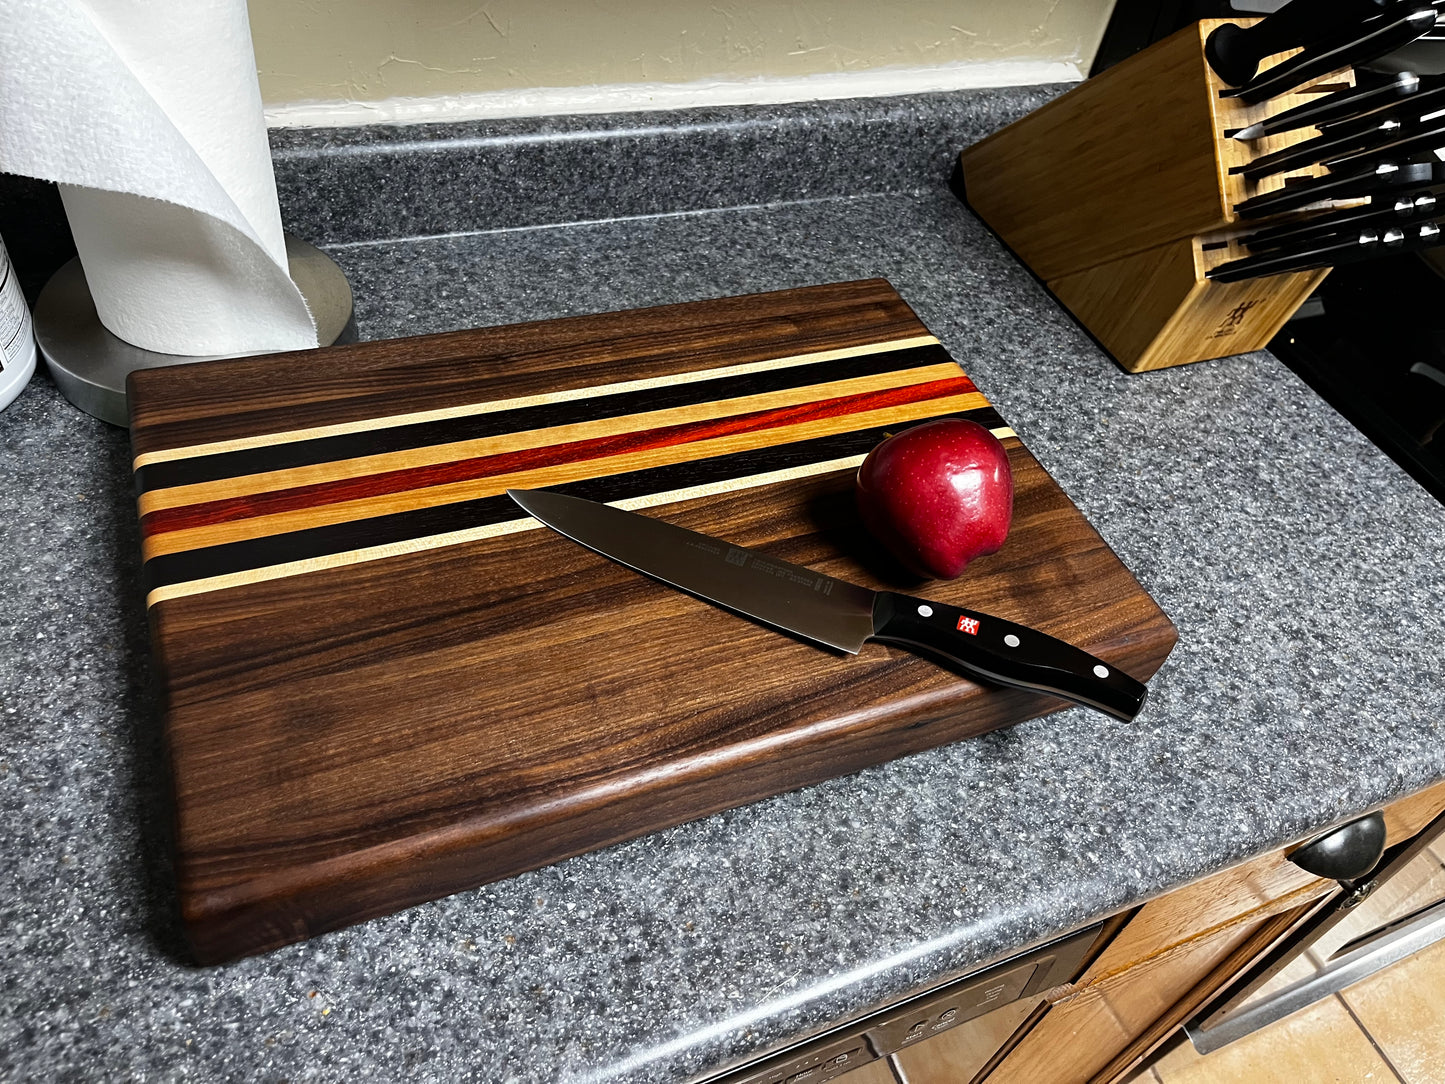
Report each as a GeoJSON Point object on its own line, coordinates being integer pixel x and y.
{"type": "Point", "coordinates": [90, 364]}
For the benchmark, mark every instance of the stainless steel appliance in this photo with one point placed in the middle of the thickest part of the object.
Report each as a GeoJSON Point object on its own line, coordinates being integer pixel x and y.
{"type": "Point", "coordinates": [991, 1005]}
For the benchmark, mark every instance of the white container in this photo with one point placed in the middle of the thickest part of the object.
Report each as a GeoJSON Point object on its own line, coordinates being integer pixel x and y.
{"type": "Point", "coordinates": [17, 335]}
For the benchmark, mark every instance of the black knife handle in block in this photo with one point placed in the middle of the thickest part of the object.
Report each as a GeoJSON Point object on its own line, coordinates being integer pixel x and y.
{"type": "Point", "coordinates": [1006, 654]}
{"type": "Point", "coordinates": [1411, 112]}
{"type": "Point", "coordinates": [1383, 35]}
{"type": "Point", "coordinates": [1429, 139]}
{"type": "Point", "coordinates": [1334, 186]}
{"type": "Point", "coordinates": [1334, 108]}
{"type": "Point", "coordinates": [1325, 252]}
{"type": "Point", "coordinates": [1234, 52]}
{"type": "Point", "coordinates": [1390, 210]}
{"type": "Point", "coordinates": [1311, 151]}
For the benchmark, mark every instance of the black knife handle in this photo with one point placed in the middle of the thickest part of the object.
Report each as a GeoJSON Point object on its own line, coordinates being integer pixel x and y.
{"type": "Point", "coordinates": [1335, 186]}
{"type": "Point", "coordinates": [1310, 151]}
{"type": "Point", "coordinates": [1006, 654]}
{"type": "Point", "coordinates": [1384, 35]}
{"type": "Point", "coordinates": [1326, 252]}
{"type": "Point", "coordinates": [1409, 112]}
{"type": "Point", "coordinates": [1404, 146]}
{"type": "Point", "coordinates": [1234, 52]}
{"type": "Point", "coordinates": [1390, 210]}
{"type": "Point", "coordinates": [1334, 108]}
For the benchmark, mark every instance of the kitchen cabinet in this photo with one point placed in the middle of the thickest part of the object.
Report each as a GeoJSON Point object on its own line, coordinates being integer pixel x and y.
{"type": "Point", "coordinates": [1163, 962]}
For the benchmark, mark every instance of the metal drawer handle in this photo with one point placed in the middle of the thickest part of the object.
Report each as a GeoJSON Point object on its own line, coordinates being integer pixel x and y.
{"type": "Point", "coordinates": [1375, 953]}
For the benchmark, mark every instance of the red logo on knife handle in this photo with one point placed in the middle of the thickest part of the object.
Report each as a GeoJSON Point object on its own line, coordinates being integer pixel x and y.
{"type": "Point", "coordinates": [968, 625]}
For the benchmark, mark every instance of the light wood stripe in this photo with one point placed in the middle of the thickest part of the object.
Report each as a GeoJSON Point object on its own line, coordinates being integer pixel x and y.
{"type": "Point", "coordinates": [200, 492]}
{"type": "Point", "coordinates": [554, 474]}
{"type": "Point", "coordinates": [263, 440]}
{"type": "Point", "coordinates": [494, 530]}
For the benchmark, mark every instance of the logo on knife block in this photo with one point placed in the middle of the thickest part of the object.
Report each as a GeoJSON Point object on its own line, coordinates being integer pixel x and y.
{"type": "Point", "coordinates": [1230, 324]}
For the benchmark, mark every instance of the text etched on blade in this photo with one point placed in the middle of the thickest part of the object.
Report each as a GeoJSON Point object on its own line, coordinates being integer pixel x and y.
{"type": "Point", "coordinates": [747, 559]}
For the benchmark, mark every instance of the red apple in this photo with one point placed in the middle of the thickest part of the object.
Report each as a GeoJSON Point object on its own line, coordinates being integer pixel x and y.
{"type": "Point", "coordinates": [938, 495]}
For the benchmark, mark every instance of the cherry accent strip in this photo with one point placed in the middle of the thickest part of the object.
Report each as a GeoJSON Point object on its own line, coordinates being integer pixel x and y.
{"type": "Point", "coordinates": [231, 509]}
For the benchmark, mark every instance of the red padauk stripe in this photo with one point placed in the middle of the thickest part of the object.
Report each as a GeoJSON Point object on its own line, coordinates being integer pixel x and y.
{"type": "Point", "coordinates": [229, 509]}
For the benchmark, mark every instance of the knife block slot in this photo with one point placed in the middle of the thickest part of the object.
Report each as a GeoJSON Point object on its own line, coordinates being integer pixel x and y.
{"type": "Point", "coordinates": [1118, 195]}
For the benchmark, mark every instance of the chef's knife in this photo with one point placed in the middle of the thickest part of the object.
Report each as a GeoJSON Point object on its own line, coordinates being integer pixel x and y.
{"type": "Point", "coordinates": [1235, 52]}
{"type": "Point", "coordinates": [1334, 186]}
{"type": "Point", "coordinates": [1373, 40]}
{"type": "Point", "coordinates": [836, 613]}
{"type": "Point", "coordinates": [1384, 210]}
{"type": "Point", "coordinates": [1329, 108]}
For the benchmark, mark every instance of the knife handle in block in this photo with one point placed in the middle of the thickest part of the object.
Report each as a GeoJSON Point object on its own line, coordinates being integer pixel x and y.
{"type": "Point", "coordinates": [1235, 52]}
{"type": "Point", "coordinates": [1002, 652]}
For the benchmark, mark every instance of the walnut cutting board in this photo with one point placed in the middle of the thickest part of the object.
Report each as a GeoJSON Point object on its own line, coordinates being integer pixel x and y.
{"type": "Point", "coordinates": [384, 685]}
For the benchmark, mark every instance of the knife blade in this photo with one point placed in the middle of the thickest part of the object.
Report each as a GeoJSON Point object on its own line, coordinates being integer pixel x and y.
{"type": "Point", "coordinates": [1334, 107]}
{"type": "Point", "coordinates": [1391, 210]}
{"type": "Point", "coordinates": [1374, 39]}
{"type": "Point", "coordinates": [833, 612]}
{"type": "Point", "coordinates": [1235, 52]}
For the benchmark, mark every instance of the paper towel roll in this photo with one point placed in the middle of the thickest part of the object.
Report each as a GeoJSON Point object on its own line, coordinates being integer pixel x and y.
{"type": "Point", "coordinates": [149, 117]}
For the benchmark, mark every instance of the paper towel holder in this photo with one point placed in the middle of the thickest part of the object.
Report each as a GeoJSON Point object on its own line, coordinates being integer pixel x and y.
{"type": "Point", "coordinates": [89, 364]}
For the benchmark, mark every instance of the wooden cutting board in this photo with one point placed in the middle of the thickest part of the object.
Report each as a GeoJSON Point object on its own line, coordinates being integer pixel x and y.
{"type": "Point", "coordinates": [384, 685]}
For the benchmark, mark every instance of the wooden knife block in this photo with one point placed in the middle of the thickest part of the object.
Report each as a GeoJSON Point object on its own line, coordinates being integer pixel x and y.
{"type": "Point", "coordinates": [1118, 196]}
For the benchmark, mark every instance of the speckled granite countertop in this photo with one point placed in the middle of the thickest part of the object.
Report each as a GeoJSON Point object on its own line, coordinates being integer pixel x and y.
{"type": "Point", "coordinates": [1302, 568]}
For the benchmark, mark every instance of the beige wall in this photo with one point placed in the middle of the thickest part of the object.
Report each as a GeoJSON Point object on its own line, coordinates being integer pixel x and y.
{"type": "Point", "coordinates": [374, 50]}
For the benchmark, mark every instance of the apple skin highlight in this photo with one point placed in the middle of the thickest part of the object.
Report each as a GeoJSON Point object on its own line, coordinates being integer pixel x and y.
{"type": "Point", "coordinates": [937, 495]}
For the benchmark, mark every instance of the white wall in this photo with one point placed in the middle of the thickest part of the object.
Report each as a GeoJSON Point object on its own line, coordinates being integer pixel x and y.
{"type": "Point", "coordinates": [334, 61]}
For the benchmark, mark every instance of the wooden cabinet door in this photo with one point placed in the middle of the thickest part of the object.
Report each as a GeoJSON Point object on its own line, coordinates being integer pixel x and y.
{"type": "Point", "coordinates": [1172, 953]}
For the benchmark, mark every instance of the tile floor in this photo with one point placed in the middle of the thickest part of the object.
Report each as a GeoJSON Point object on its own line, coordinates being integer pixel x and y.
{"type": "Point", "coordinates": [1389, 1028]}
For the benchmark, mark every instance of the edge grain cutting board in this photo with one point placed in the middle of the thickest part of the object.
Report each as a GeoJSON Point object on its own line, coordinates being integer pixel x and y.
{"type": "Point", "coordinates": [383, 684]}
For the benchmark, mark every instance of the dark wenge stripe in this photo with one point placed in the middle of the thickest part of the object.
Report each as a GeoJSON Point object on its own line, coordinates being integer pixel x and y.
{"type": "Point", "coordinates": [230, 557]}
{"type": "Point", "coordinates": [210, 468]}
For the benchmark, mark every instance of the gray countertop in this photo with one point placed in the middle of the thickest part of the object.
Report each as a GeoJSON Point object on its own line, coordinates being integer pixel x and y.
{"type": "Point", "coordinates": [1301, 566]}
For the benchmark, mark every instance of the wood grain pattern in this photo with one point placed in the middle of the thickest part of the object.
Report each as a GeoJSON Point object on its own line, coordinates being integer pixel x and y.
{"type": "Point", "coordinates": [476, 698]}
{"type": "Point", "coordinates": [1120, 163]}
{"type": "Point", "coordinates": [1155, 309]}
{"type": "Point", "coordinates": [1255, 889]}
{"type": "Point", "coordinates": [1406, 817]}
{"type": "Point", "coordinates": [1083, 1033]}
{"type": "Point", "coordinates": [1149, 1038]}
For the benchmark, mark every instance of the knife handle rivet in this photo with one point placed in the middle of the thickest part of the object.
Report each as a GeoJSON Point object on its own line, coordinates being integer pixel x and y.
{"type": "Point", "coordinates": [1101, 671]}
{"type": "Point", "coordinates": [1011, 640]}
{"type": "Point", "coordinates": [925, 611]}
